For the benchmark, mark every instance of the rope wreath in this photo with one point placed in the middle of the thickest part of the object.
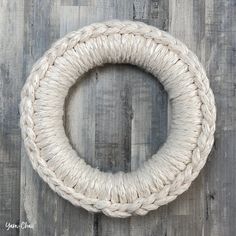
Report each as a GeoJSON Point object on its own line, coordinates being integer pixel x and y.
{"type": "Point", "coordinates": [176, 164]}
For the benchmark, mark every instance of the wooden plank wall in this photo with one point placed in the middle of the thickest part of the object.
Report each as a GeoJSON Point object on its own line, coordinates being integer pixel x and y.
{"type": "Point", "coordinates": [11, 81]}
{"type": "Point", "coordinates": [117, 116]}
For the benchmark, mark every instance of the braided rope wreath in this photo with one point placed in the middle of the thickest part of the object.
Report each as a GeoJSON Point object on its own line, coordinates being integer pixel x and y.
{"type": "Point", "coordinates": [176, 164]}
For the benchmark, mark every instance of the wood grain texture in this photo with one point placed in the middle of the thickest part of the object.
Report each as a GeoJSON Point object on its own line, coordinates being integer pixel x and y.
{"type": "Point", "coordinates": [220, 54]}
{"type": "Point", "coordinates": [149, 127]}
{"type": "Point", "coordinates": [11, 55]}
{"type": "Point", "coordinates": [38, 202]}
{"type": "Point", "coordinates": [117, 116]}
{"type": "Point", "coordinates": [186, 215]}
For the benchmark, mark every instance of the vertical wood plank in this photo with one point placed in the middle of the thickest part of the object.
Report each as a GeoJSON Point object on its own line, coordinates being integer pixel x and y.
{"type": "Point", "coordinates": [186, 214]}
{"type": "Point", "coordinates": [220, 54]}
{"type": "Point", "coordinates": [149, 130]}
{"type": "Point", "coordinates": [40, 206]}
{"type": "Point", "coordinates": [149, 126]}
{"type": "Point", "coordinates": [11, 44]}
{"type": "Point", "coordinates": [79, 123]}
{"type": "Point", "coordinates": [113, 132]}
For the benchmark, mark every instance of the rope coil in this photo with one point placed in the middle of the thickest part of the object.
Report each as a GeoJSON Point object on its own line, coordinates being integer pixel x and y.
{"type": "Point", "coordinates": [176, 164]}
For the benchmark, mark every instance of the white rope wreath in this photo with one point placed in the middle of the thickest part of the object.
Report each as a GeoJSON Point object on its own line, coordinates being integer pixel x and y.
{"type": "Point", "coordinates": [176, 164]}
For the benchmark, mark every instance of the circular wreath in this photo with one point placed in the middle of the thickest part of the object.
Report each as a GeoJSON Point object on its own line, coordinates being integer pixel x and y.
{"type": "Point", "coordinates": [176, 164]}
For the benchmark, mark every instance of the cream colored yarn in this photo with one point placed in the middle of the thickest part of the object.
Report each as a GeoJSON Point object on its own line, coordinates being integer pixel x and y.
{"type": "Point", "coordinates": [171, 170]}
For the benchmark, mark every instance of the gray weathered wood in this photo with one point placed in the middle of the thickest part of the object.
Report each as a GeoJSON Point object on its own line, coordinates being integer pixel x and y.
{"type": "Point", "coordinates": [40, 207]}
{"type": "Point", "coordinates": [116, 117]}
{"type": "Point", "coordinates": [11, 54]}
{"type": "Point", "coordinates": [220, 177]}
{"type": "Point", "coordinates": [186, 214]}
{"type": "Point", "coordinates": [149, 127]}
